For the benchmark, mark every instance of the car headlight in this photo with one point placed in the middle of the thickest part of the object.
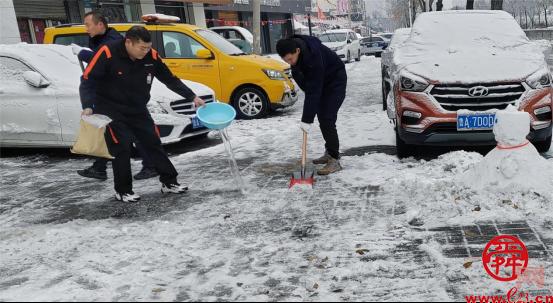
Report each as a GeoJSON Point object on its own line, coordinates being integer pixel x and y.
{"type": "Point", "coordinates": [411, 84]}
{"type": "Point", "coordinates": [274, 74]}
{"type": "Point", "coordinates": [337, 48]}
{"type": "Point", "coordinates": [155, 108]}
{"type": "Point", "coordinates": [540, 79]}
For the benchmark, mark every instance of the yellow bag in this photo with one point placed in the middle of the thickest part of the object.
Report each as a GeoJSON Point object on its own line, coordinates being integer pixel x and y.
{"type": "Point", "coordinates": [91, 140]}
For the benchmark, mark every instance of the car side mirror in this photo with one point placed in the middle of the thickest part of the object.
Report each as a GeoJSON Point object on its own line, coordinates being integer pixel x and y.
{"type": "Point", "coordinates": [349, 41]}
{"type": "Point", "coordinates": [35, 79]}
{"type": "Point", "coordinates": [204, 54]}
{"type": "Point", "coordinates": [385, 47]}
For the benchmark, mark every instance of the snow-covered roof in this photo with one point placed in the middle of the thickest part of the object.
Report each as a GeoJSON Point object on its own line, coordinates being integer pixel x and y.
{"type": "Point", "coordinates": [469, 46]}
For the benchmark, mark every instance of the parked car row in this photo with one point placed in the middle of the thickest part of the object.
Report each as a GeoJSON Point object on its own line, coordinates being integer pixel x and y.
{"type": "Point", "coordinates": [43, 81]}
{"type": "Point", "coordinates": [254, 85]}
{"type": "Point", "coordinates": [444, 84]}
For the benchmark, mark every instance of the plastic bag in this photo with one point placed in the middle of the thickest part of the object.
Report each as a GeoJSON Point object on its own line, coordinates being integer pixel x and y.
{"type": "Point", "coordinates": [91, 140]}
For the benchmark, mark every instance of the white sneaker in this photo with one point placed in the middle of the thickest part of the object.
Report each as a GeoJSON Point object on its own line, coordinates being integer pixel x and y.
{"type": "Point", "coordinates": [173, 188]}
{"type": "Point", "coordinates": [127, 197]}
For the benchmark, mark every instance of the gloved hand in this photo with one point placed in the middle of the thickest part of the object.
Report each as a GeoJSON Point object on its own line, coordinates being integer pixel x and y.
{"type": "Point", "coordinates": [76, 49]}
{"type": "Point", "coordinates": [305, 127]}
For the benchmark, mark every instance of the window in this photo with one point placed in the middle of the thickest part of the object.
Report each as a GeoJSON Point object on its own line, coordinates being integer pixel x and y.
{"type": "Point", "coordinates": [221, 43]}
{"type": "Point", "coordinates": [232, 34]}
{"type": "Point", "coordinates": [352, 36]}
{"type": "Point", "coordinates": [79, 39]}
{"type": "Point", "coordinates": [377, 39]}
{"type": "Point", "coordinates": [181, 46]}
{"type": "Point", "coordinates": [11, 70]}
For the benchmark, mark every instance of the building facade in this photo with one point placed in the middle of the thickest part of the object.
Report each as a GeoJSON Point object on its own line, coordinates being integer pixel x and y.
{"type": "Point", "coordinates": [276, 18]}
{"type": "Point", "coordinates": [33, 16]}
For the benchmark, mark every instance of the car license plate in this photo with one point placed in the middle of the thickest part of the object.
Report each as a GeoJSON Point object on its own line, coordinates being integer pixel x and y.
{"type": "Point", "coordinates": [196, 123]}
{"type": "Point", "coordinates": [475, 121]}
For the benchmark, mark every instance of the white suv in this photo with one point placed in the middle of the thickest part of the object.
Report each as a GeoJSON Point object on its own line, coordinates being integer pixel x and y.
{"type": "Point", "coordinates": [344, 42]}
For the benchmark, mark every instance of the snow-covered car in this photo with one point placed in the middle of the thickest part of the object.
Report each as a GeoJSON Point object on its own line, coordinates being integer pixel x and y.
{"type": "Point", "coordinates": [400, 35]}
{"type": "Point", "coordinates": [374, 45]}
{"type": "Point", "coordinates": [344, 42]}
{"type": "Point", "coordinates": [450, 80]}
{"type": "Point", "coordinates": [237, 35]}
{"type": "Point", "coordinates": [40, 104]}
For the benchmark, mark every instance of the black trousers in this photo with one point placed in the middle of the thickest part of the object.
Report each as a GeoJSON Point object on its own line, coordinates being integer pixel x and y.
{"type": "Point", "coordinates": [119, 146]}
{"type": "Point", "coordinates": [100, 164]}
{"type": "Point", "coordinates": [331, 101]}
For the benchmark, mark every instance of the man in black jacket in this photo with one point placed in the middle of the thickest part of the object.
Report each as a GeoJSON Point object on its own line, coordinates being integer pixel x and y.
{"type": "Point", "coordinates": [97, 28]}
{"type": "Point", "coordinates": [321, 74]}
{"type": "Point", "coordinates": [123, 72]}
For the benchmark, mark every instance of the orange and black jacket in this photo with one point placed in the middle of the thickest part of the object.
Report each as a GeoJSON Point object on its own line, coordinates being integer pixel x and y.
{"type": "Point", "coordinates": [115, 81]}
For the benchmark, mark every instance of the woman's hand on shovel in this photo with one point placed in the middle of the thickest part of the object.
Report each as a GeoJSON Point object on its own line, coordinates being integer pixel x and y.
{"type": "Point", "coordinates": [305, 127]}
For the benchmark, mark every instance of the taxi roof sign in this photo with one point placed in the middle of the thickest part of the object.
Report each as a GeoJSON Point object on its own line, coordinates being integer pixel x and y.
{"type": "Point", "coordinates": [160, 18]}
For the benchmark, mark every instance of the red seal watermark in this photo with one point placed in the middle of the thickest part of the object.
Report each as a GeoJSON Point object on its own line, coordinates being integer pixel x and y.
{"type": "Point", "coordinates": [504, 252]}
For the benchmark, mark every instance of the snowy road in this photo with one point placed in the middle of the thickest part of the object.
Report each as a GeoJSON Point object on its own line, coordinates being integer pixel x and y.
{"type": "Point", "coordinates": [348, 239]}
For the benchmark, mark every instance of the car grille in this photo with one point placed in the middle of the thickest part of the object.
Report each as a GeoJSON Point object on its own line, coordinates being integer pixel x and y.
{"type": "Point", "coordinates": [455, 97]}
{"type": "Point", "coordinates": [288, 73]}
{"type": "Point", "coordinates": [185, 107]}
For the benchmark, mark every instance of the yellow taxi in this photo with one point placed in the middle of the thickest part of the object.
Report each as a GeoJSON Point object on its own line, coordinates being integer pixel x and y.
{"type": "Point", "coordinates": [253, 84]}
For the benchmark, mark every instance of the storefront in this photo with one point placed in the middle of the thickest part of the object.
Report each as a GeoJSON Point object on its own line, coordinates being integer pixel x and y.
{"type": "Point", "coordinates": [114, 10]}
{"type": "Point", "coordinates": [172, 8]}
{"type": "Point", "coordinates": [276, 18]}
{"type": "Point", "coordinates": [33, 16]}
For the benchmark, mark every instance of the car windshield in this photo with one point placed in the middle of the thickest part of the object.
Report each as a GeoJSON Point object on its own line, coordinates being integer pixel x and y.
{"type": "Point", "coordinates": [221, 43]}
{"type": "Point", "coordinates": [333, 37]}
{"type": "Point", "coordinates": [387, 36]}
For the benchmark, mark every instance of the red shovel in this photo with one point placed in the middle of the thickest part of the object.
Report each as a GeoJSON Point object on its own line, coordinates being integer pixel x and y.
{"type": "Point", "coordinates": [303, 177]}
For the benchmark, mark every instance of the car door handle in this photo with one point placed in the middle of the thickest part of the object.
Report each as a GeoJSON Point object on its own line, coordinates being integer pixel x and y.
{"type": "Point", "coordinates": [173, 64]}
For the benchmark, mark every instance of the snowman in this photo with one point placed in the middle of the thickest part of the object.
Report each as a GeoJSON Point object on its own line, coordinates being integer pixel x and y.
{"type": "Point", "coordinates": [514, 162]}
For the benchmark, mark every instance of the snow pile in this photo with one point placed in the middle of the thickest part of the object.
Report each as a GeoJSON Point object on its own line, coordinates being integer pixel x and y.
{"type": "Point", "coordinates": [514, 164]}
{"type": "Point", "coordinates": [160, 18]}
{"type": "Point", "coordinates": [469, 47]}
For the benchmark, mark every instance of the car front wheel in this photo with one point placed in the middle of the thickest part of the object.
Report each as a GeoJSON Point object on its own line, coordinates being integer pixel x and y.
{"type": "Point", "coordinates": [403, 150]}
{"type": "Point", "coordinates": [384, 96]}
{"type": "Point", "coordinates": [250, 103]}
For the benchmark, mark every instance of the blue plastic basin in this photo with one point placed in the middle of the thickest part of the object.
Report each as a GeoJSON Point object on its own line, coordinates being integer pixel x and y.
{"type": "Point", "coordinates": [216, 115]}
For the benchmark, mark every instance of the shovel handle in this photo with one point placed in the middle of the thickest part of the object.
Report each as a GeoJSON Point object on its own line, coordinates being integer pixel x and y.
{"type": "Point", "coordinates": [304, 150]}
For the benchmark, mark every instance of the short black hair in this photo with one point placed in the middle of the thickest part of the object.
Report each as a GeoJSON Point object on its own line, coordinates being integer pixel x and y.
{"type": "Point", "coordinates": [137, 33]}
{"type": "Point", "coordinates": [97, 17]}
{"type": "Point", "coordinates": [286, 46]}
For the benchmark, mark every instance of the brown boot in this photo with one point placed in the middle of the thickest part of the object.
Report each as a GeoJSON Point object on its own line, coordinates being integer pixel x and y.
{"type": "Point", "coordinates": [331, 167]}
{"type": "Point", "coordinates": [322, 160]}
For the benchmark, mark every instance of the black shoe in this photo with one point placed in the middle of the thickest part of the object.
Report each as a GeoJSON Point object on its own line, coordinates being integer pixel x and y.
{"type": "Point", "coordinates": [91, 172]}
{"type": "Point", "coordinates": [146, 173]}
{"type": "Point", "coordinates": [127, 197]}
{"type": "Point", "coordinates": [173, 188]}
